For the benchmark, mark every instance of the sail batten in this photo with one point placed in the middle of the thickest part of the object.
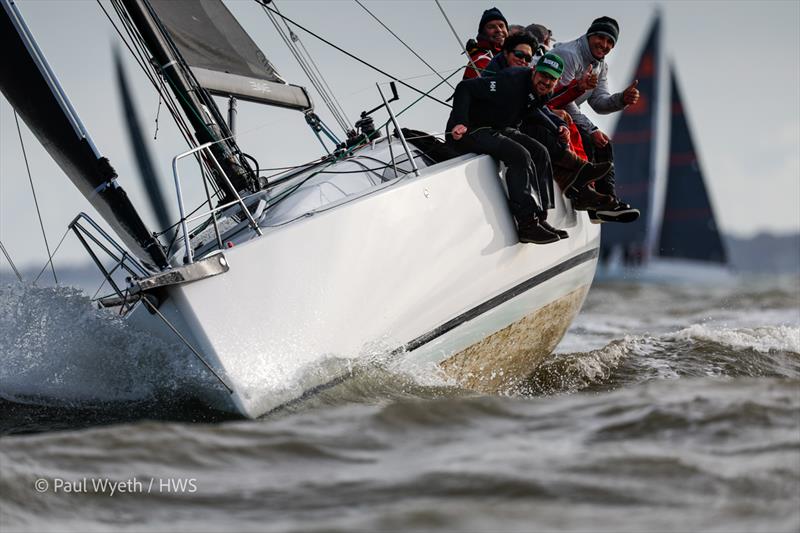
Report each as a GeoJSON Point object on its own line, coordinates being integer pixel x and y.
{"type": "Point", "coordinates": [689, 230]}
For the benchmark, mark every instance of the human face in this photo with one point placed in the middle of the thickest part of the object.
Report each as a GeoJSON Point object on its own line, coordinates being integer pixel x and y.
{"type": "Point", "coordinates": [543, 83]}
{"type": "Point", "coordinates": [520, 49]}
{"type": "Point", "coordinates": [600, 45]}
{"type": "Point", "coordinates": [496, 31]}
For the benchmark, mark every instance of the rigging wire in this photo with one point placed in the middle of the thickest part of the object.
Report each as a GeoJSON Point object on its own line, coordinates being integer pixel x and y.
{"type": "Point", "coordinates": [10, 262]}
{"type": "Point", "coordinates": [455, 33]}
{"type": "Point", "coordinates": [295, 38]}
{"type": "Point", "coordinates": [348, 54]}
{"type": "Point", "coordinates": [409, 106]}
{"type": "Point", "coordinates": [313, 77]}
{"type": "Point", "coordinates": [35, 200]}
{"type": "Point", "coordinates": [50, 259]}
{"type": "Point", "coordinates": [403, 42]}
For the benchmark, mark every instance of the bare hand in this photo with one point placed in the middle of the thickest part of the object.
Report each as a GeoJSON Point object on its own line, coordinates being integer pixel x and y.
{"type": "Point", "coordinates": [588, 81]}
{"type": "Point", "coordinates": [458, 131]}
{"type": "Point", "coordinates": [563, 133]}
{"type": "Point", "coordinates": [631, 95]}
{"type": "Point", "coordinates": [599, 139]}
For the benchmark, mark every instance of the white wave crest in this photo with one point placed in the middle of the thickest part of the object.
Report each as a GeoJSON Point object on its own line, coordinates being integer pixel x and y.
{"type": "Point", "coordinates": [59, 349]}
{"type": "Point", "coordinates": [763, 339]}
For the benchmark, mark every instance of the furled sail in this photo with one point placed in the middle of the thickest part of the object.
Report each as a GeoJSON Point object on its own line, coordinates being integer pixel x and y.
{"type": "Point", "coordinates": [222, 56]}
{"type": "Point", "coordinates": [33, 91]}
{"type": "Point", "coordinates": [688, 229]}
{"type": "Point", "coordinates": [634, 148]}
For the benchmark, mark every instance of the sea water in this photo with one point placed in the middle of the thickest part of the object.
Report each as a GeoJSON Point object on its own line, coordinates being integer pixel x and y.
{"type": "Point", "coordinates": [665, 408]}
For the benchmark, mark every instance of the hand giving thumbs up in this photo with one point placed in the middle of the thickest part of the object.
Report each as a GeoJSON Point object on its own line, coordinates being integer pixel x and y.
{"type": "Point", "coordinates": [631, 95]}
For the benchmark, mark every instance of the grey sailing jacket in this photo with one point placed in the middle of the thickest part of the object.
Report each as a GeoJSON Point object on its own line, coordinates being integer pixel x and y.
{"type": "Point", "coordinates": [577, 58]}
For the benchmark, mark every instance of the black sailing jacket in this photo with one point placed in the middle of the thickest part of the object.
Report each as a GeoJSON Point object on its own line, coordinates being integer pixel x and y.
{"type": "Point", "coordinates": [499, 102]}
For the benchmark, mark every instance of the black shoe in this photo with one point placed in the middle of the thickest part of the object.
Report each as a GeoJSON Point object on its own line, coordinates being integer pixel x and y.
{"type": "Point", "coordinates": [586, 198]}
{"type": "Point", "coordinates": [560, 232]}
{"type": "Point", "coordinates": [589, 173]}
{"type": "Point", "coordinates": [530, 230]}
{"type": "Point", "coordinates": [593, 218]}
{"type": "Point", "coordinates": [619, 212]}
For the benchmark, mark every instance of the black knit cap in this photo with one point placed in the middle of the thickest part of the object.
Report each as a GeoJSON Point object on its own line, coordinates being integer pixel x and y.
{"type": "Point", "coordinates": [604, 26]}
{"type": "Point", "coordinates": [488, 16]}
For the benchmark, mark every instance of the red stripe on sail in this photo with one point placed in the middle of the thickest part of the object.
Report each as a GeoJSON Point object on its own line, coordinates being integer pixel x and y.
{"type": "Point", "coordinates": [646, 67]}
{"type": "Point", "coordinates": [633, 137]}
{"type": "Point", "coordinates": [684, 158]}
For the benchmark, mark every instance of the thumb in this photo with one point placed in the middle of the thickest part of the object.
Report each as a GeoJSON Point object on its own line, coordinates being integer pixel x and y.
{"type": "Point", "coordinates": [634, 84]}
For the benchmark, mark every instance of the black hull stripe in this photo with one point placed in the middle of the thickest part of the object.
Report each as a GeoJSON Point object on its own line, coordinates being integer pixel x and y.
{"type": "Point", "coordinates": [476, 311]}
{"type": "Point", "coordinates": [501, 298]}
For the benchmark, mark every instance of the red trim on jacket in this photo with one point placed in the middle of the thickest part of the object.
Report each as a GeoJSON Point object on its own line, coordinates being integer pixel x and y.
{"type": "Point", "coordinates": [481, 56]}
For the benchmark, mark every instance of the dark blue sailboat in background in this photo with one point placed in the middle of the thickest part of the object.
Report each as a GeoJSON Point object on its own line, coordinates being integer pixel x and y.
{"type": "Point", "coordinates": [684, 234]}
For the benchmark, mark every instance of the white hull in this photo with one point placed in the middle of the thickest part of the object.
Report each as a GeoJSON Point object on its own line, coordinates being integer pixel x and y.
{"type": "Point", "coordinates": [422, 268]}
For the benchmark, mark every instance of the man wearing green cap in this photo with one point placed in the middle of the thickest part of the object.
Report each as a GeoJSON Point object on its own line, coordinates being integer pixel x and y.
{"type": "Point", "coordinates": [572, 174]}
{"type": "Point", "coordinates": [485, 117]}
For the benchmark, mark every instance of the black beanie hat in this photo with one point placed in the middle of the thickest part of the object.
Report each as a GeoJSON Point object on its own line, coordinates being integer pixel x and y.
{"type": "Point", "coordinates": [604, 26]}
{"type": "Point", "coordinates": [489, 15]}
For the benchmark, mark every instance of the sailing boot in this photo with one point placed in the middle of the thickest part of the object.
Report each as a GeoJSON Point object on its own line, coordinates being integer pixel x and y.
{"type": "Point", "coordinates": [587, 199]}
{"type": "Point", "coordinates": [560, 232]}
{"type": "Point", "coordinates": [532, 231]}
{"type": "Point", "coordinates": [572, 171]}
{"type": "Point", "coordinates": [618, 212]}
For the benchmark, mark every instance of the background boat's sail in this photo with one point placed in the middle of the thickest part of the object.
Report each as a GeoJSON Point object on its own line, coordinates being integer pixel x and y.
{"type": "Point", "coordinates": [688, 229]}
{"type": "Point", "coordinates": [222, 56]}
{"type": "Point", "coordinates": [634, 148]}
{"type": "Point", "coordinates": [33, 91]}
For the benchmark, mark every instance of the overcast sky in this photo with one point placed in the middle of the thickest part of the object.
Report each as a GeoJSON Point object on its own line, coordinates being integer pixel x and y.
{"type": "Point", "coordinates": [738, 64]}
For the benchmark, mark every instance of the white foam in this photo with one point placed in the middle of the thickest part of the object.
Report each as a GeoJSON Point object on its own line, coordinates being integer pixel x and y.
{"type": "Point", "coordinates": [58, 348]}
{"type": "Point", "coordinates": [761, 339]}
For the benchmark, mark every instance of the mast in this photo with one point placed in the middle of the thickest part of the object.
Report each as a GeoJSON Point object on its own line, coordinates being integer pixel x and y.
{"type": "Point", "coordinates": [196, 103]}
{"type": "Point", "coordinates": [32, 89]}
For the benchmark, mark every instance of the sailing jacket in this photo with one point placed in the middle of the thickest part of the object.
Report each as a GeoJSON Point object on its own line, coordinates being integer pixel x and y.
{"type": "Point", "coordinates": [498, 63]}
{"type": "Point", "coordinates": [577, 57]}
{"type": "Point", "coordinates": [500, 102]}
{"type": "Point", "coordinates": [481, 54]}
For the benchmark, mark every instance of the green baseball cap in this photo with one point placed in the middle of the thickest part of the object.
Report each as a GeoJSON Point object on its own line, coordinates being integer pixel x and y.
{"type": "Point", "coordinates": [551, 64]}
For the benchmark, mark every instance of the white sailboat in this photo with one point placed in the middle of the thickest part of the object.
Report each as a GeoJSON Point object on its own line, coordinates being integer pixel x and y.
{"type": "Point", "coordinates": [678, 238]}
{"type": "Point", "coordinates": [282, 283]}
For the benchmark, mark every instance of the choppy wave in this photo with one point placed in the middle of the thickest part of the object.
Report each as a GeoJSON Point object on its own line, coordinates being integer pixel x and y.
{"type": "Point", "coordinates": [664, 410]}
{"type": "Point", "coordinates": [696, 351]}
{"type": "Point", "coordinates": [659, 454]}
{"type": "Point", "coordinates": [58, 349]}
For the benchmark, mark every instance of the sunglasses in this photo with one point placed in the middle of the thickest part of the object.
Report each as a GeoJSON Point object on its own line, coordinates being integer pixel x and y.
{"type": "Point", "coordinates": [519, 54]}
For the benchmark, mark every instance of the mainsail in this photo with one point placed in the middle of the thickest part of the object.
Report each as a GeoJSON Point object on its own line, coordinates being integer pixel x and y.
{"type": "Point", "coordinates": [688, 229]}
{"type": "Point", "coordinates": [634, 148]}
{"type": "Point", "coordinates": [222, 56]}
{"type": "Point", "coordinates": [33, 91]}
